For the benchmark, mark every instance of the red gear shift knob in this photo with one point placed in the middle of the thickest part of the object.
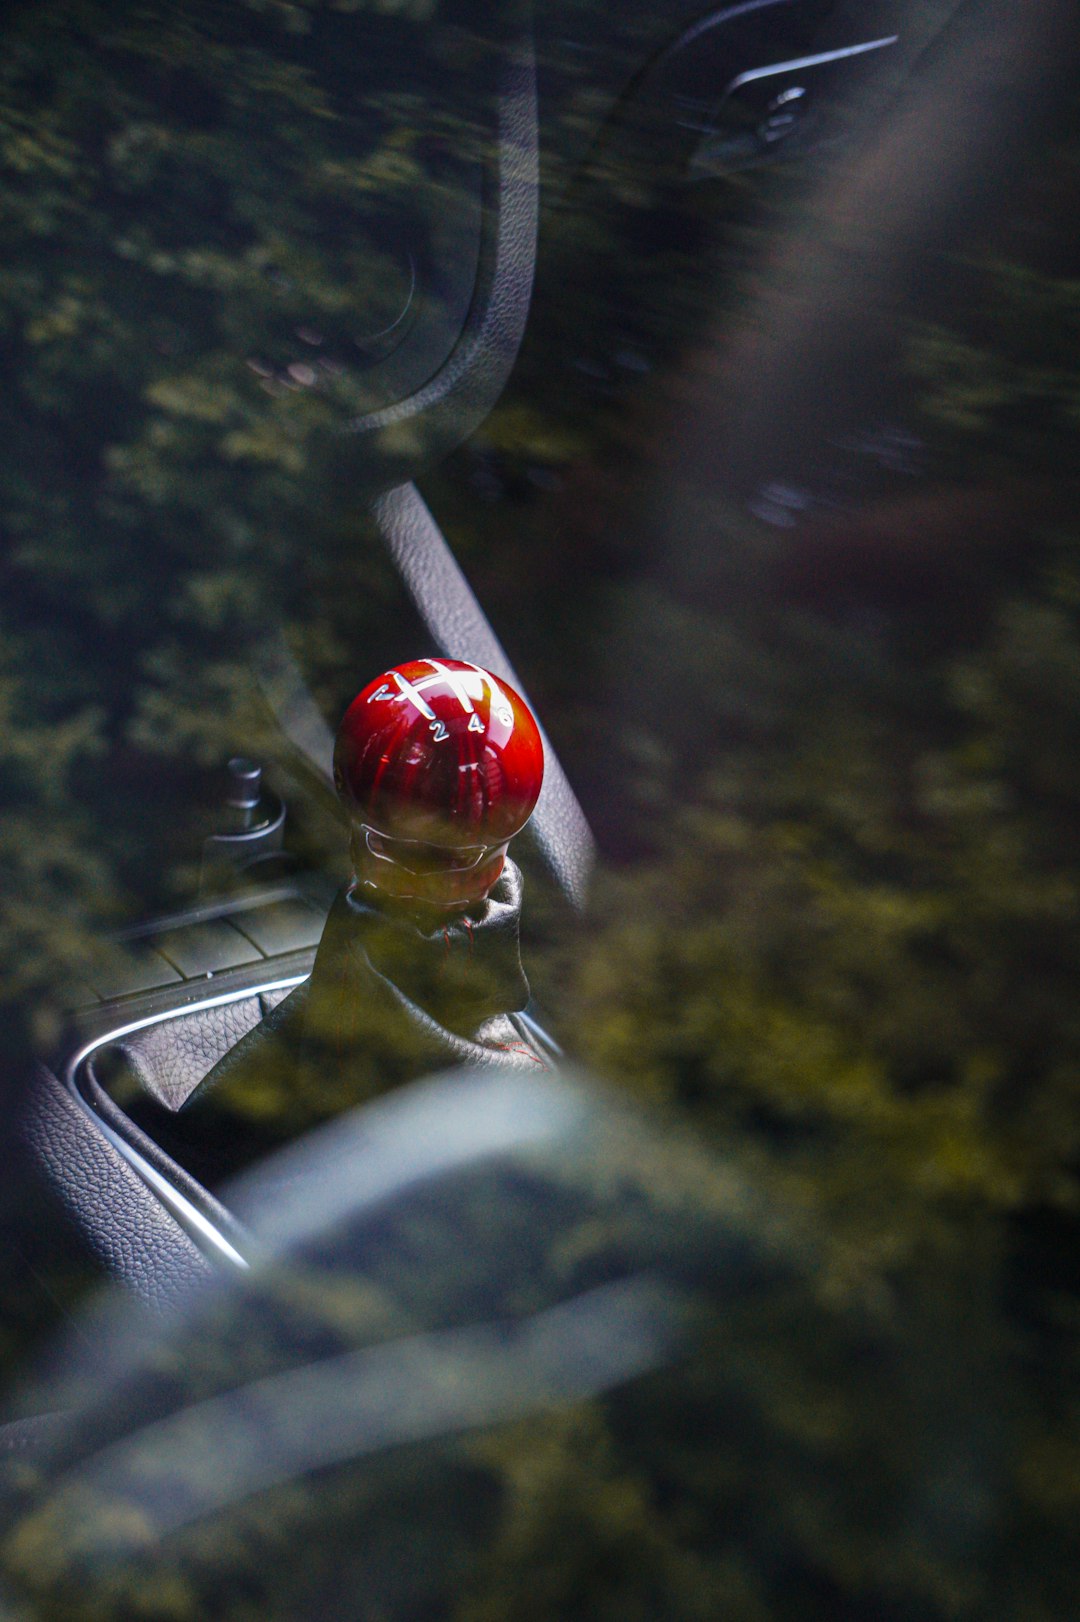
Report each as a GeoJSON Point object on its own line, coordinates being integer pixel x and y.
{"type": "Point", "coordinates": [439, 764]}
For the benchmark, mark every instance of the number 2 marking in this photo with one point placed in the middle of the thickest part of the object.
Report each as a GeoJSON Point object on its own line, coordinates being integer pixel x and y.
{"type": "Point", "coordinates": [439, 729]}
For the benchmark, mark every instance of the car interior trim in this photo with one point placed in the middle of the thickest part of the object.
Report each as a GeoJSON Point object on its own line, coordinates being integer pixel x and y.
{"type": "Point", "coordinates": [800, 62]}
{"type": "Point", "coordinates": [206, 1233]}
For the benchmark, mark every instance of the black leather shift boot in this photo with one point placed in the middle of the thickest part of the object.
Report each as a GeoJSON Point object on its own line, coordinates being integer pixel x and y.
{"type": "Point", "coordinates": [461, 974]}
{"type": "Point", "coordinates": [387, 1001]}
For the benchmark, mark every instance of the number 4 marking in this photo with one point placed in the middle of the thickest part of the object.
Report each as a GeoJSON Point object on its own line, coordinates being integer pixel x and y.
{"type": "Point", "coordinates": [475, 723]}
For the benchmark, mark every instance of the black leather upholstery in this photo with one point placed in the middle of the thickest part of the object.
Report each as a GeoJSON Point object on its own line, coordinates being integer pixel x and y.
{"type": "Point", "coordinates": [171, 1058]}
{"type": "Point", "coordinates": [125, 1226]}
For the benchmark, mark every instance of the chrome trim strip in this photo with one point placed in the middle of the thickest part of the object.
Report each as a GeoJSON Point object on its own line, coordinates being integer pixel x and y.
{"type": "Point", "coordinates": [532, 1027]}
{"type": "Point", "coordinates": [799, 62]}
{"type": "Point", "coordinates": [179, 1206]}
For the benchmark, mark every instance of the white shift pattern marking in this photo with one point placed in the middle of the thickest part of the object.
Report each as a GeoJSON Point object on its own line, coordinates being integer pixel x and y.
{"type": "Point", "coordinates": [467, 688]}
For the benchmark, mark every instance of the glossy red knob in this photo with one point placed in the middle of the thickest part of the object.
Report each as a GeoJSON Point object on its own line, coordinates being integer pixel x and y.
{"type": "Point", "coordinates": [439, 764]}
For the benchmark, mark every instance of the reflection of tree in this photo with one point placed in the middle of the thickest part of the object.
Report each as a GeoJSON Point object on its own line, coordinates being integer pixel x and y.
{"type": "Point", "coordinates": [853, 949]}
{"type": "Point", "coordinates": [845, 754]}
{"type": "Point", "coordinates": [204, 212]}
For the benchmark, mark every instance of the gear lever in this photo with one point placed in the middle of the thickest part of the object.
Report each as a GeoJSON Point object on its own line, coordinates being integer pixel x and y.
{"type": "Point", "coordinates": [438, 764]}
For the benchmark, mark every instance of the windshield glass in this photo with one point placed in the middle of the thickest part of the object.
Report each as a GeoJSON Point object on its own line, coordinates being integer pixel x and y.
{"type": "Point", "coordinates": [763, 480]}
